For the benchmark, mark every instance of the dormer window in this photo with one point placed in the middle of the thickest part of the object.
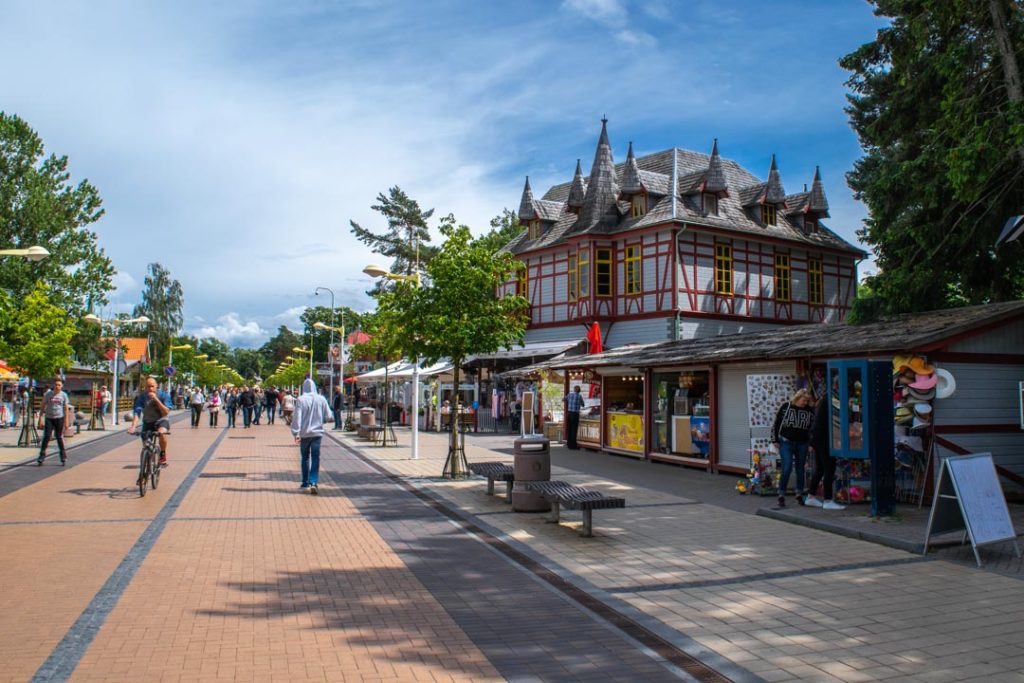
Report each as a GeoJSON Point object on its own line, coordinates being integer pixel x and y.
{"type": "Point", "coordinates": [533, 229]}
{"type": "Point", "coordinates": [811, 225]}
{"type": "Point", "coordinates": [768, 214]}
{"type": "Point", "coordinates": [710, 203]}
{"type": "Point", "coordinates": [639, 205]}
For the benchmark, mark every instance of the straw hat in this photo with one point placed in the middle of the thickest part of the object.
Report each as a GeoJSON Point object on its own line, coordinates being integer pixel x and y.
{"type": "Point", "coordinates": [924, 382]}
{"type": "Point", "coordinates": [920, 366]}
{"type": "Point", "coordinates": [946, 384]}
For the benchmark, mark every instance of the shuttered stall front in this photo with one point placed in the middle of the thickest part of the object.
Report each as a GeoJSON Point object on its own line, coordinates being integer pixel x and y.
{"type": "Point", "coordinates": [732, 416]}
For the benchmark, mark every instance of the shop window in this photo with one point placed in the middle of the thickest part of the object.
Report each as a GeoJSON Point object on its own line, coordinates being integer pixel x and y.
{"type": "Point", "coordinates": [723, 269]}
{"type": "Point", "coordinates": [603, 262]}
{"type": "Point", "coordinates": [624, 413]}
{"type": "Point", "coordinates": [572, 277]}
{"type": "Point", "coordinates": [681, 410]}
{"type": "Point", "coordinates": [634, 274]}
{"type": "Point", "coordinates": [534, 229]}
{"type": "Point", "coordinates": [815, 281]}
{"type": "Point", "coordinates": [782, 277]}
{"type": "Point", "coordinates": [710, 204]}
{"type": "Point", "coordinates": [768, 214]}
{"type": "Point", "coordinates": [522, 278]}
{"type": "Point", "coordinates": [583, 268]}
{"type": "Point", "coordinates": [639, 205]}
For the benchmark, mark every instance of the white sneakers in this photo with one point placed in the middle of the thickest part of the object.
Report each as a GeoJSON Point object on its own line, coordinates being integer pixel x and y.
{"type": "Point", "coordinates": [832, 505]}
{"type": "Point", "coordinates": [813, 502]}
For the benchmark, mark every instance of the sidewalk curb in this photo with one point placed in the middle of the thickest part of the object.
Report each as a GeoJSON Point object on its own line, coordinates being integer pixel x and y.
{"type": "Point", "coordinates": [674, 638]}
{"type": "Point", "coordinates": [871, 537]}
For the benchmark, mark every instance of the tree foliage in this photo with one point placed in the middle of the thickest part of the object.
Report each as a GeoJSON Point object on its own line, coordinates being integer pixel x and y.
{"type": "Point", "coordinates": [461, 311]}
{"type": "Point", "coordinates": [504, 227]}
{"type": "Point", "coordinates": [279, 346]}
{"type": "Point", "coordinates": [937, 105]}
{"type": "Point", "coordinates": [162, 302]}
{"type": "Point", "coordinates": [407, 238]}
{"type": "Point", "coordinates": [38, 339]}
{"type": "Point", "coordinates": [322, 338]}
{"type": "Point", "coordinates": [40, 206]}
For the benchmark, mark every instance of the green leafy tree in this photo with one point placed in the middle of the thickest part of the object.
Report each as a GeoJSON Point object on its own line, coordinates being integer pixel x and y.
{"type": "Point", "coordinates": [441, 321]}
{"type": "Point", "coordinates": [407, 238]}
{"type": "Point", "coordinates": [39, 205]}
{"type": "Point", "coordinates": [503, 228]}
{"type": "Point", "coordinates": [280, 346]}
{"type": "Point", "coordinates": [215, 349]}
{"type": "Point", "coordinates": [937, 103]}
{"type": "Point", "coordinates": [162, 302]}
{"type": "Point", "coordinates": [322, 338]}
{"type": "Point", "coordinates": [248, 363]}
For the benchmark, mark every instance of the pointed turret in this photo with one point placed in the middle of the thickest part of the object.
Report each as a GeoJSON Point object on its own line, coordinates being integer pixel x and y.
{"type": "Point", "coordinates": [714, 181]}
{"type": "Point", "coordinates": [577, 192]}
{"type": "Point", "coordinates": [603, 186]}
{"type": "Point", "coordinates": [527, 209]}
{"type": "Point", "coordinates": [774, 193]}
{"type": "Point", "coordinates": [631, 183]}
{"type": "Point", "coordinates": [818, 203]}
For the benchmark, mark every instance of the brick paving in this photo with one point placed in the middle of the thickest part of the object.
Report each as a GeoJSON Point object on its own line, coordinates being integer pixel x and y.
{"type": "Point", "coordinates": [229, 572]}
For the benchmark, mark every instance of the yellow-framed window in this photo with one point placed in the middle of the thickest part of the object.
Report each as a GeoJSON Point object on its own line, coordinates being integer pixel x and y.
{"type": "Point", "coordinates": [634, 270]}
{"type": "Point", "coordinates": [639, 205]}
{"type": "Point", "coordinates": [815, 281]}
{"type": "Point", "coordinates": [603, 264]}
{"type": "Point", "coordinates": [783, 279]}
{"type": "Point", "coordinates": [534, 229]}
{"type": "Point", "coordinates": [768, 214]}
{"type": "Point", "coordinates": [583, 268]}
{"type": "Point", "coordinates": [723, 269]}
{"type": "Point", "coordinates": [522, 281]}
{"type": "Point", "coordinates": [572, 278]}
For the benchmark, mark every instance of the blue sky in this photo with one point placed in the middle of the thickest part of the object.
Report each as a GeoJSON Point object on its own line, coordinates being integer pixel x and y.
{"type": "Point", "coordinates": [234, 141]}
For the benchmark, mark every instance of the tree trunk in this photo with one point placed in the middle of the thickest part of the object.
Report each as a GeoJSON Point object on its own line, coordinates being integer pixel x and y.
{"type": "Point", "coordinates": [1011, 71]}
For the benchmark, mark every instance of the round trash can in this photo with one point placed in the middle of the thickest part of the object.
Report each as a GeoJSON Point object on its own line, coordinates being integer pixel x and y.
{"type": "Point", "coordinates": [532, 463]}
{"type": "Point", "coordinates": [367, 417]}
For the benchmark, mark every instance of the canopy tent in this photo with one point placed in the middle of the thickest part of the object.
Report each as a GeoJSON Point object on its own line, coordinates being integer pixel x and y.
{"type": "Point", "coordinates": [437, 368]}
{"type": "Point", "coordinates": [378, 374]}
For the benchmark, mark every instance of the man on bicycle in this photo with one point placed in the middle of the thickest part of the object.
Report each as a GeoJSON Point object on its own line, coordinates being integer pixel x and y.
{"type": "Point", "coordinates": [154, 416]}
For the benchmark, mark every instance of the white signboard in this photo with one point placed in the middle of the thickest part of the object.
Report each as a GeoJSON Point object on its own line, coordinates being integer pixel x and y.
{"type": "Point", "coordinates": [970, 499]}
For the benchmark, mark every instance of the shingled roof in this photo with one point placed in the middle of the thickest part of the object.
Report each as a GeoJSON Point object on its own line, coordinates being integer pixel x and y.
{"type": "Point", "coordinates": [631, 183]}
{"type": "Point", "coordinates": [919, 332]}
{"type": "Point", "coordinates": [599, 212]}
{"type": "Point", "coordinates": [527, 207]}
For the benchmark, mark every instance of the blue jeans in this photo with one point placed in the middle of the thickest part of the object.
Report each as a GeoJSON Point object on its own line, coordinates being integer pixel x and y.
{"type": "Point", "coordinates": [310, 450]}
{"type": "Point", "coordinates": [787, 449]}
{"type": "Point", "coordinates": [246, 416]}
{"type": "Point", "coordinates": [337, 418]}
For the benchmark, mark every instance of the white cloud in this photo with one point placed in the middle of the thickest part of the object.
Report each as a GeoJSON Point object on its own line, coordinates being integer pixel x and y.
{"type": "Point", "coordinates": [231, 330]}
{"type": "Point", "coordinates": [610, 12]}
{"type": "Point", "coordinates": [125, 284]}
{"type": "Point", "coordinates": [638, 38]}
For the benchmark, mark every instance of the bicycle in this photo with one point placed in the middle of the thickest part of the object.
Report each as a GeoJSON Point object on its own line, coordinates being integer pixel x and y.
{"type": "Point", "coordinates": [149, 465]}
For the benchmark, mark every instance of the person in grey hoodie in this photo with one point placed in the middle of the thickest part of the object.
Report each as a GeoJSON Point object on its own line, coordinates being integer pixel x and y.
{"type": "Point", "coordinates": [311, 411]}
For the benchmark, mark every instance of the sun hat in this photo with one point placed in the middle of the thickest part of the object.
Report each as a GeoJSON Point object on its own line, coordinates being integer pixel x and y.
{"type": "Point", "coordinates": [920, 422]}
{"type": "Point", "coordinates": [946, 385]}
{"type": "Point", "coordinates": [923, 410]}
{"type": "Point", "coordinates": [923, 394]}
{"type": "Point", "coordinates": [920, 366]}
{"type": "Point", "coordinates": [900, 362]}
{"type": "Point", "coordinates": [908, 376]}
{"type": "Point", "coordinates": [924, 382]}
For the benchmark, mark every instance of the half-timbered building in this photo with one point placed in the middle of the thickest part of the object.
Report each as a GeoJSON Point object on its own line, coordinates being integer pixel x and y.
{"type": "Point", "coordinates": [676, 245]}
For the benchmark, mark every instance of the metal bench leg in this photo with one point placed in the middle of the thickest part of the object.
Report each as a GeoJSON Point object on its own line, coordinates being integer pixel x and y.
{"type": "Point", "coordinates": [588, 525]}
{"type": "Point", "coordinates": [508, 492]}
{"type": "Point", "coordinates": [556, 515]}
{"type": "Point", "coordinates": [490, 486]}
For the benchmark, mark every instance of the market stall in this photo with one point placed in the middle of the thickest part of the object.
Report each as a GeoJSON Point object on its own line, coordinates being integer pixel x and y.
{"type": "Point", "coordinates": [681, 411]}
{"type": "Point", "coordinates": [622, 392]}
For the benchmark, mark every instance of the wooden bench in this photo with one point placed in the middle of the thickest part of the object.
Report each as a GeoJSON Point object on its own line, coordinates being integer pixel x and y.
{"type": "Point", "coordinates": [559, 494]}
{"type": "Point", "coordinates": [495, 471]}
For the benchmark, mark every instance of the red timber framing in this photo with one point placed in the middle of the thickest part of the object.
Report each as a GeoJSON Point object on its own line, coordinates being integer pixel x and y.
{"type": "Point", "coordinates": [655, 251]}
{"type": "Point", "coordinates": [753, 271]}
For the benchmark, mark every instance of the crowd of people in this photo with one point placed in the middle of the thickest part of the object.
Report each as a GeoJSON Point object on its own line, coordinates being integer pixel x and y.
{"type": "Point", "coordinates": [257, 405]}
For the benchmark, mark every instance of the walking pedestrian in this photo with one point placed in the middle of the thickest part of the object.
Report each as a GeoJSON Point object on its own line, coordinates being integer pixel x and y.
{"type": "Point", "coordinates": [336, 406]}
{"type": "Point", "coordinates": [231, 403]}
{"type": "Point", "coordinates": [573, 406]}
{"type": "Point", "coordinates": [55, 407]}
{"type": "Point", "coordinates": [257, 404]}
{"type": "Point", "coordinates": [106, 400]}
{"type": "Point", "coordinates": [214, 406]}
{"type": "Point", "coordinates": [245, 402]}
{"type": "Point", "coordinates": [791, 432]}
{"type": "Point", "coordinates": [824, 463]}
{"type": "Point", "coordinates": [287, 406]}
{"type": "Point", "coordinates": [310, 414]}
{"type": "Point", "coordinates": [270, 399]}
{"type": "Point", "coordinates": [196, 400]}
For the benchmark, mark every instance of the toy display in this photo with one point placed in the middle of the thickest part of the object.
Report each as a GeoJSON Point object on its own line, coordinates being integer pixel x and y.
{"type": "Point", "coordinates": [762, 479]}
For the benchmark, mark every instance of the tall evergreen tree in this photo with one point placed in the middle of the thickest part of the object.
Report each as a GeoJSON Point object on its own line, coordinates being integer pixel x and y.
{"type": "Point", "coordinates": [162, 302]}
{"type": "Point", "coordinates": [936, 101]}
{"type": "Point", "coordinates": [407, 238]}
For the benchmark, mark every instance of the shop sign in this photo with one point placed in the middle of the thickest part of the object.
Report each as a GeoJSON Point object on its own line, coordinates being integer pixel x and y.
{"type": "Point", "coordinates": [589, 431]}
{"type": "Point", "coordinates": [626, 432]}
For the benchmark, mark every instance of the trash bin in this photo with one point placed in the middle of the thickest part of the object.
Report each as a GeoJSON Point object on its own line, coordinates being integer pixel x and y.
{"type": "Point", "coordinates": [532, 463]}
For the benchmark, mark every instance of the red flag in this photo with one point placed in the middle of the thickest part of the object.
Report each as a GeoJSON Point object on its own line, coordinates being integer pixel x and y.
{"type": "Point", "coordinates": [594, 337]}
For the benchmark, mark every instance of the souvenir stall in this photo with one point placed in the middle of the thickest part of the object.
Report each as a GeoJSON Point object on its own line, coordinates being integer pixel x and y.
{"type": "Point", "coordinates": [589, 433]}
{"type": "Point", "coordinates": [681, 411]}
{"type": "Point", "coordinates": [623, 399]}
{"type": "Point", "coordinates": [8, 396]}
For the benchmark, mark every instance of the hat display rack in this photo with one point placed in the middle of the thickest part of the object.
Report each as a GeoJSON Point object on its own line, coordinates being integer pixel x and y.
{"type": "Point", "coordinates": [915, 387]}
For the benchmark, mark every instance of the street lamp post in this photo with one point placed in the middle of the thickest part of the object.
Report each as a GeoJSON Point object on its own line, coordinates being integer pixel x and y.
{"type": "Point", "coordinates": [321, 326]}
{"type": "Point", "coordinates": [378, 271]}
{"type": "Point", "coordinates": [116, 324]}
{"type": "Point", "coordinates": [341, 356]}
{"type": "Point", "coordinates": [299, 349]}
{"type": "Point", "coordinates": [32, 253]}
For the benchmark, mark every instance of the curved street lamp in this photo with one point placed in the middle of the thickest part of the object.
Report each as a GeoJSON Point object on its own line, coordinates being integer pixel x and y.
{"type": "Point", "coordinates": [33, 254]}
{"type": "Point", "coordinates": [116, 324]}
{"type": "Point", "coordinates": [299, 349]}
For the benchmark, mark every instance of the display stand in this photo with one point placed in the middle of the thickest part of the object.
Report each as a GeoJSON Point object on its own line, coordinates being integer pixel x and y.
{"type": "Point", "coordinates": [970, 499]}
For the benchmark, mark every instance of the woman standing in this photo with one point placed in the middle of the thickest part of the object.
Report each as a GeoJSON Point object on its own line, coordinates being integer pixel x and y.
{"type": "Point", "coordinates": [214, 405]}
{"type": "Point", "coordinates": [231, 404]}
{"type": "Point", "coordinates": [790, 433]}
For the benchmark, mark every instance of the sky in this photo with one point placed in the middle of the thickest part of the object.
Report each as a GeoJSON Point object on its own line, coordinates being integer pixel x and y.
{"type": "Point", "coordinates": [234, 141]}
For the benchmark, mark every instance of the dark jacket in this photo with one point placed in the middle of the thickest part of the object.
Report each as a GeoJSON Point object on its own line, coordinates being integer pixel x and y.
{"type": "Point", "coordinates": [339, 401]}
{"type": "Point", "coordinates": [246, 398]}
{"type": "Point", "coordinates": [792, 423]}
{"type": "Point", "coordinates": [270, 398]}
{"type": "Point", "coordinates": [819, 429]}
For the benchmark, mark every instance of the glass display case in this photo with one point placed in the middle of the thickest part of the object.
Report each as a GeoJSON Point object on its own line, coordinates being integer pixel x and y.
{"type": "Point", "coordinates": [681, 417]}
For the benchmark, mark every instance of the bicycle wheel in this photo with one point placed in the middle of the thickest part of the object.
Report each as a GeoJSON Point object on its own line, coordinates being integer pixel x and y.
{"type": "Point", "coordinates": [144, 465]}
{"type": "Point", "coordinates": [154, 468]}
